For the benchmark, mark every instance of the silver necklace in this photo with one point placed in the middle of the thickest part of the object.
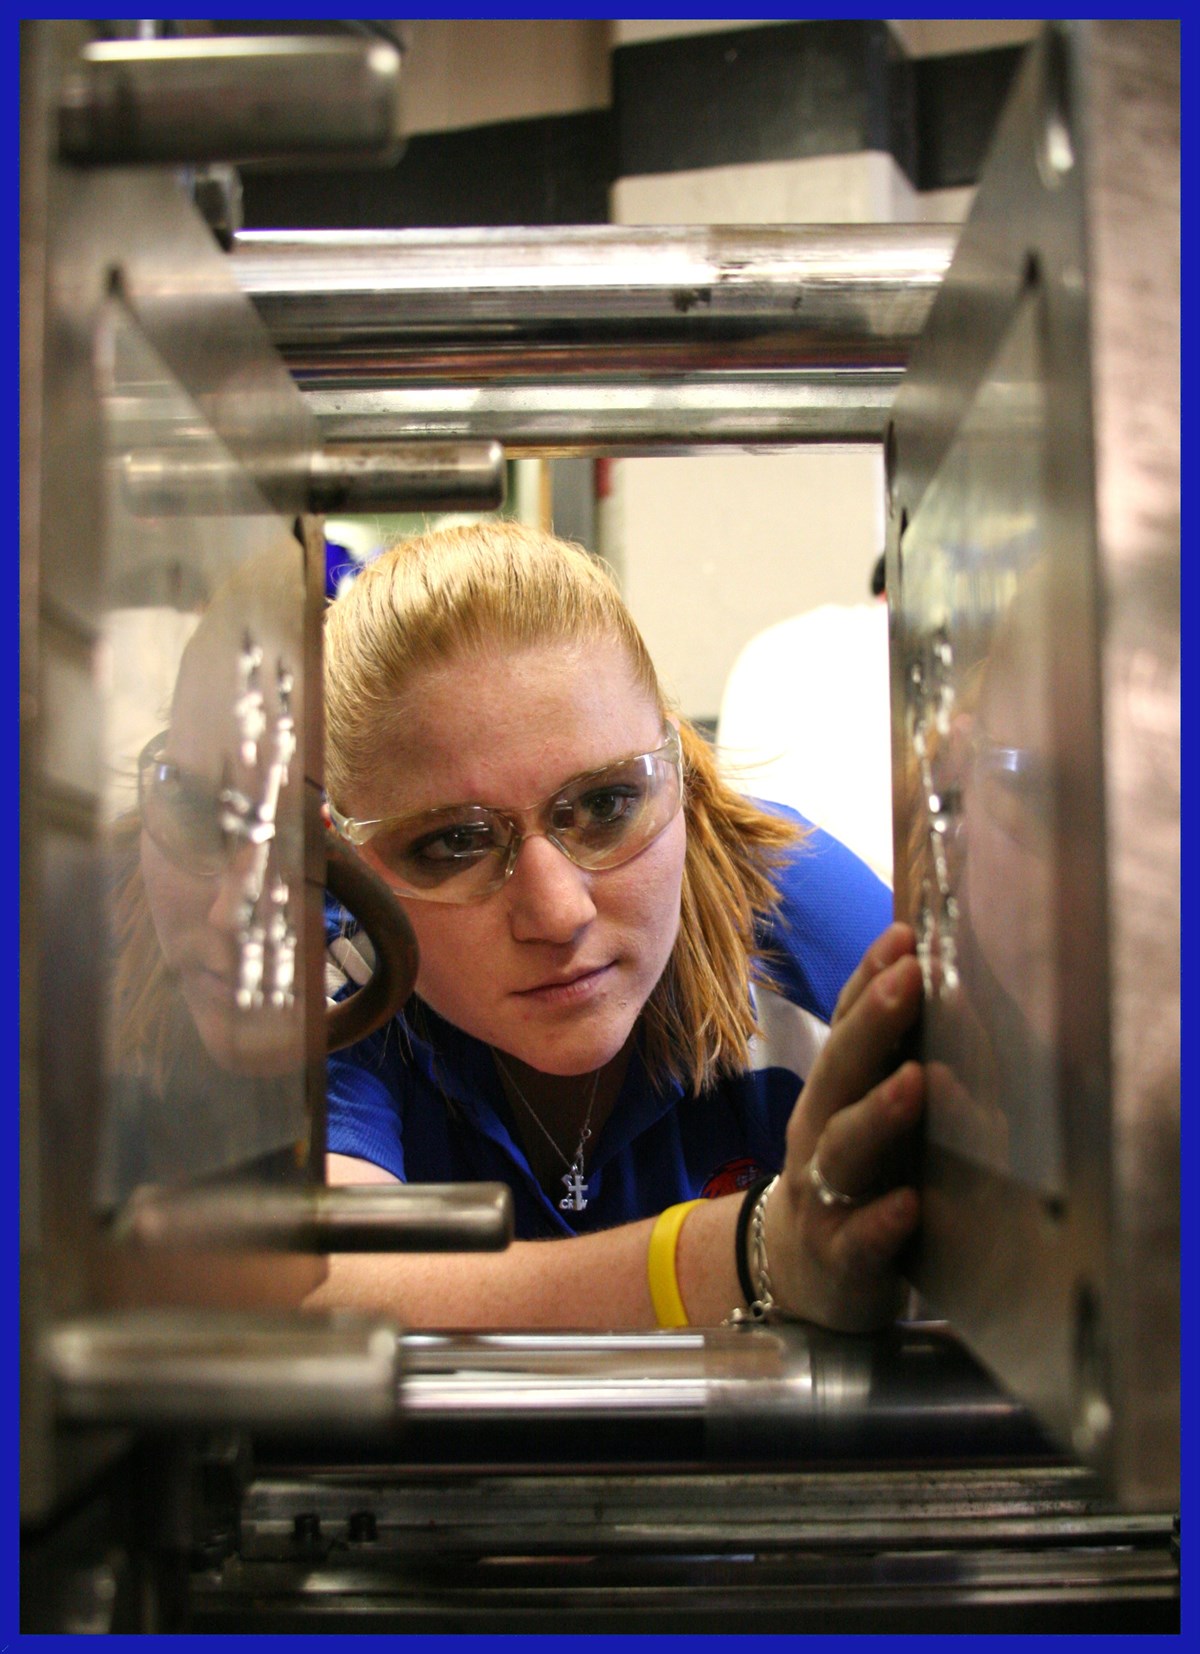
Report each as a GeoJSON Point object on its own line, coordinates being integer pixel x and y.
{"type": "Point", "coordinates": [575, 1198]}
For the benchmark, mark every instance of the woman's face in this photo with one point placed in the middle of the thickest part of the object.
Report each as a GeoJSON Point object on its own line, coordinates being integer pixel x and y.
{"type": "Point", "coordinates": [199, 916]}
{"type": "Point", "coordinates": [555, 966]}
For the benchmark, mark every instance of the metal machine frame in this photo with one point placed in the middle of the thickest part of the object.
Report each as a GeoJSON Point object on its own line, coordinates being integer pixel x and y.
{"type": "Point", "coordinates": [774, 1479]}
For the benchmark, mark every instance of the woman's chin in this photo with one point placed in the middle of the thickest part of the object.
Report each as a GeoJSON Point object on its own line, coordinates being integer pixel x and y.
{"type": "Point", "coordinates": [567, 1060]}
{"type": "Point", "coordinates": [260, 1044]}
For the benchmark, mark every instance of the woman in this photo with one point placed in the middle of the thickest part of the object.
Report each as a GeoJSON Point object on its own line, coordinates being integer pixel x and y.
{"type": "Point", "coordinates": [591, 904]}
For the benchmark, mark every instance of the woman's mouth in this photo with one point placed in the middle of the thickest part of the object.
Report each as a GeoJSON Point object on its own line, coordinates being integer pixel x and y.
{"type": "Point", "coordinates": [214, 986]}
{"type": "Point", "coordinates": [568, 990]}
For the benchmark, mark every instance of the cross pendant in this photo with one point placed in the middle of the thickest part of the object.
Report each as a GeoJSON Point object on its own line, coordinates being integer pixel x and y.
{"type": "Point", "coordinates": [576, 1198]}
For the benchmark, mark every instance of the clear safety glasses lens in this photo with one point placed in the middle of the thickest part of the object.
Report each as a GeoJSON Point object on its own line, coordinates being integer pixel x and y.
{"type": "Point", "coordinates": [182, 813]}
{"type": "Point", "coordinates": [464, 853]}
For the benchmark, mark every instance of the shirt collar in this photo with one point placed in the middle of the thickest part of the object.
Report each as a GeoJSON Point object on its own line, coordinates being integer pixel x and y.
{"type": "Point", "coordinates": [463, 1070]}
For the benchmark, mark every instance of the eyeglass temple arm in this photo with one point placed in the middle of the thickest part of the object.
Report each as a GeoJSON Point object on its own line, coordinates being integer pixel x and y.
{"type": "Point", "coordinates": [368, 898]}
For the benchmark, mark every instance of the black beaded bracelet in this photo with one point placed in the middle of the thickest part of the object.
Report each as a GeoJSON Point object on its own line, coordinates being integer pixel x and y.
{"type": "Point", "coordinates": [739, 1238]}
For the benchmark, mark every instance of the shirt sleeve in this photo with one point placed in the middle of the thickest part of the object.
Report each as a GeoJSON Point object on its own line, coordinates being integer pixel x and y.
{"type": "Point", "coordinates": [364, 1083]}
{"type": "Point", "coordinates": [363, 1116]}
{"type": "Point", "coordinates": [831, 908]}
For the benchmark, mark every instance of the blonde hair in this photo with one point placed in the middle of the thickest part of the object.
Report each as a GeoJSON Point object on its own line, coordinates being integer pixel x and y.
{"type": "Point", "coordinates": [149, 1027]}
{"type": "Point", "coordinates": [452, 592]}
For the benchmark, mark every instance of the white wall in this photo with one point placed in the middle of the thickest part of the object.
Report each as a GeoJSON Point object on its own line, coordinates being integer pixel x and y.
{"type": "Point", "coordinates": [720, 547]}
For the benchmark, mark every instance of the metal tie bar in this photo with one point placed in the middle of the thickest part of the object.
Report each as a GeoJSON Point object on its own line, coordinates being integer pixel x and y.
{"type": "Point", "coordinates": [593, 337]}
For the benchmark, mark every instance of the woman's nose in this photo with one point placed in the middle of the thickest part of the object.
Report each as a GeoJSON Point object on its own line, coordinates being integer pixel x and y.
{"type": "Point", "coordinates": [550, 899]}
{"type": "Point", "coordinates": [235, 889]}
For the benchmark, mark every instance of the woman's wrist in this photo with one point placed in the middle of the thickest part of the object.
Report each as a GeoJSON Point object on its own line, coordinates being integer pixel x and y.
{"type": "Point", "coordinates": [780, 1228]}
{"type": "Point", "coordinates": [662, 1276]}
{"type": "Point", "coordinates": [742, 1244]}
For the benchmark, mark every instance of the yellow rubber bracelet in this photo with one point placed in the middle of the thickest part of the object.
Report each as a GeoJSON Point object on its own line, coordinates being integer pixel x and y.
{"type": "Point", "coordinates": [660, 1265]}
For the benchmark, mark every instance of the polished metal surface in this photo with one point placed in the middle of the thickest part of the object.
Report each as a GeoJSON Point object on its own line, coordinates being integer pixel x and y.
{"type": "Point", "coordinates": [859, 1508]}
{"type": "Point", "coordinates": [848, 1548]}
{"type": "Point", "coordinates": [364, 477]}
{"type": "Point", "coordinates": [178, 479]}
{"type": "Point", "coordinates": [586, 339]}
{"type": "Point", "coordinates": [353, 306]}
{"type": "Point", "coordinates": [229, 99]}
{"type": "Point", "coordinates": [195, 1370]}
{"type": "Point", "coordinates": [784, 1394]}
{"type": "Point", "coordinates": [1034, 574]}
{"type": "Point", "coordinates": [137, 345]}
{"type": "Point", "coordinates": [639, 413]}
{"type": "Point", "coordinates": [202, 644]}
{"type": "Point", "coordinates": [1035, 444]}
{"type": "Point", "coordinates": [415, 1217]}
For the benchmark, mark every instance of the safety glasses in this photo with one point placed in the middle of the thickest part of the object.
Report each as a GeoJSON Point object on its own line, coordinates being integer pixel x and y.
{"type": "Point", "coordinates": [192, 820]}
{"type": "Point", "coordinates": [465, 852]}
{"type": "Point", "coordinates": [1017, 789]}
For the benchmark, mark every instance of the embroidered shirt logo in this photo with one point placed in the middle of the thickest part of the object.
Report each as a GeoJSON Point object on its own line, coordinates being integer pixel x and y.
{"type": "Point", "coordinates": [732, 1177]}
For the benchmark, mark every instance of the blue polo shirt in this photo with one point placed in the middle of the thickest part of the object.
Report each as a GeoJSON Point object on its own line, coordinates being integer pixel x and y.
{"type": "Point", "coordinates": [424, 1101]}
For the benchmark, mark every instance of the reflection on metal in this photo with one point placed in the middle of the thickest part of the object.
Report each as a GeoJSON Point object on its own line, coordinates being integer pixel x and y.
{"type": "Point", "coordinates": [788, 1393]}
{"type": "Point", "coordinates": [209, 99]}
{"type": "Point", "coordinates": [202, 635]}
{"type": "Point", "coordinates": [641, 413]}
{"type": "Point", "coordinates": [137, 1062]}
{"type": "Point", "coordinates": [977, 725]}
{"type": "Point", "coordinates": [351, 305]}
{"type": "Point", "coordinates": [363, 477]}
{"type": "Point", "coordinates": [669, 337]}
{"type": "Point", "coordinates": [217, 192]}
{"type": "Point", "coordinates": [1034, 576]}
{"type": "Point", "coordinates": [414, 1217]}
{"type": "Point", "coordinates": [351, 477]}
{"type": "Point", "coordinates": [193, 1369]}
{"type": "Point", "coordinates": [855, 1548]}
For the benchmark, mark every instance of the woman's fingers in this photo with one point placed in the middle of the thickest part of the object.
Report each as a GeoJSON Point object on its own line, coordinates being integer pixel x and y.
{"type": "Point", "coordinates": [896, 941]}
{"type": "Point", "coordinates": [864, 1287]}
{"type": "Point", "coordinates": [861, 1048]}
{"type": "Point", "coordinates": [856, 1153]}
{"type": "Point", "coordinates": [836, 1220]}
{"type": "Point", "coordinates": [839, 1269]}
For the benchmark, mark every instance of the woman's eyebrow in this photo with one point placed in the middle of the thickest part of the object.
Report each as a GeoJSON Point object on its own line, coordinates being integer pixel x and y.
{"type": "Point", "coordinates": [478, 802]}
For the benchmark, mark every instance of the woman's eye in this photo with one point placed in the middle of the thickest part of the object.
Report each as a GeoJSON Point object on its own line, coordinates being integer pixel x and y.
{"type": "Point", "coordinates": [607, 806]}
{"type": "Point", "coordinates": [192, 807]}
{"type": "Point", "coordinates": [453, 843]}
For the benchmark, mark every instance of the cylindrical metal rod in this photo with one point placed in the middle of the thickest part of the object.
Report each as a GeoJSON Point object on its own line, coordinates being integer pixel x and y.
{"type": "Point", "coordinates": [411, 1217]}
{"type": "Point", "coordinates": [476, 306]}
{"type": "Point", "coordinates": [394, 474]}
{"type": "Point", "coordinates": [632, 416]}
{"type": "Point", "coordinates": [185, 1368]}
{"type": "Point", "coordinates": [761, 1394]}
{"type": "Point", "coordinates": [227, 99]}
{"type": "Point", "coordinates": [403, 476]}
{"type": "Point", "coordinates": [775, 1394]}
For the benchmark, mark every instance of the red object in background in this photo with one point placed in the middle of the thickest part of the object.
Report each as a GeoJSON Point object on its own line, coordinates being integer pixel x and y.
{"type": "Point", "coordinates": [732, 1177]}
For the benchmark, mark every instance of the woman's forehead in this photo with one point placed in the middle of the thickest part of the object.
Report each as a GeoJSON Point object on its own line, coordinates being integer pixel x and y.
{"type": "Point", "coordinates": [508, 727]}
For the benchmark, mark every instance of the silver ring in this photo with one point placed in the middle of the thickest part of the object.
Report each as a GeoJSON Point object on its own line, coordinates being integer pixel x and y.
{"type": "Point", "coordinates": [826, 1194]}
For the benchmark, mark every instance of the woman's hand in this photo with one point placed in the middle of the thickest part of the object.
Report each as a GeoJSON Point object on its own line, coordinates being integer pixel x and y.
{"type": "Point", "coordinates": [832, 1260]}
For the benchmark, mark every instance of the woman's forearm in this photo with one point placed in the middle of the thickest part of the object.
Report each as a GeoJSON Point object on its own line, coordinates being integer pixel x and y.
{"type": "Point", "coordinates": [591, 1282]}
